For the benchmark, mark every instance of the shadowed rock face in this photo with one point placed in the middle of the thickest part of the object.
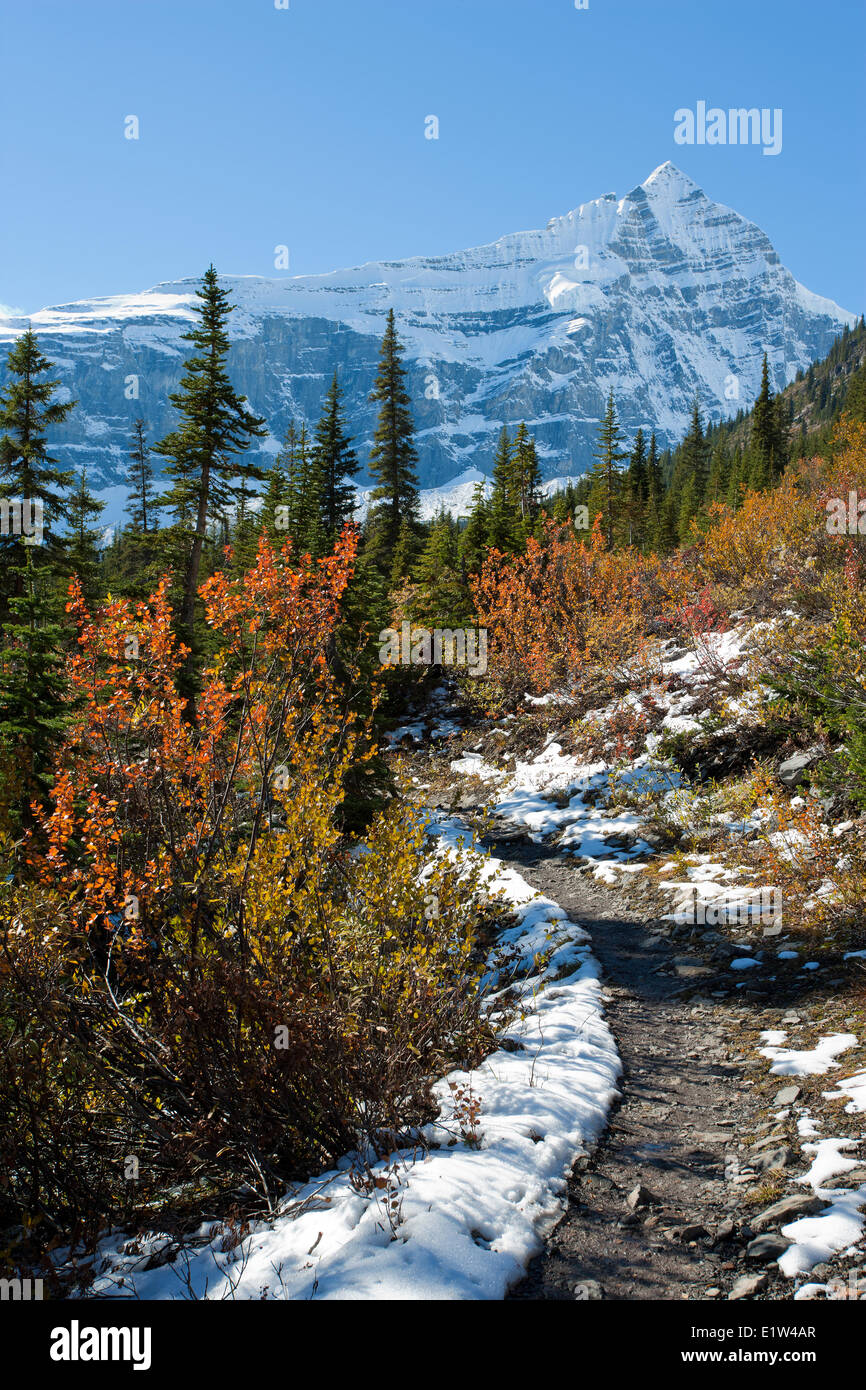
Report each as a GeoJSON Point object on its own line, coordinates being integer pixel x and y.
{"type": "Point", "coordinates": [657, 295]}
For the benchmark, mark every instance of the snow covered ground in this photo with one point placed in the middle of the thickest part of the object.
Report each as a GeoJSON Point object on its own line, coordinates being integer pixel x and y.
{"type": "Point", "coordinates": [839, 1227]}
{"type": "Point", "coordinates": [461, 1217]}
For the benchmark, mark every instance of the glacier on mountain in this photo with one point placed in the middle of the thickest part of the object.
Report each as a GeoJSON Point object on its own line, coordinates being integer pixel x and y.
{"type": "Point", "coordinates": [657, 295]}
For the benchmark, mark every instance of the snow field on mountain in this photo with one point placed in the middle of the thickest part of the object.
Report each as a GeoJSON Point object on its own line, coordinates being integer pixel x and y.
{"type": "Point", "coordinates": [655, 295]}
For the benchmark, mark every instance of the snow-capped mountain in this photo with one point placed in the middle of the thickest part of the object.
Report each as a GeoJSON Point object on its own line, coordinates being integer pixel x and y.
{"type": "Point", "coordinates": [656, 295]}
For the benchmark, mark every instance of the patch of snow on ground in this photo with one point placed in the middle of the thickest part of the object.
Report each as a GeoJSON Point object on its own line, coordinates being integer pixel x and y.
{"type": "Point", "coordinates": [787, 1062]}
{"type": "Point", "coordinates": [470, 1218]}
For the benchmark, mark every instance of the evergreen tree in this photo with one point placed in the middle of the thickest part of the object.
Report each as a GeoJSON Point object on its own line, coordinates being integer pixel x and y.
{"type": "Point", "coordinates": [655, 498]}
{"type": "Point", "coordinates": [690, 477]}
{"type": "Point", "coordinates": [141, 506]}
{"type": "Point", "coordinates": [393, 456]}
{"type": "Point", "coordinates": [285, 506]}
{"type": "Point", "coordinates": [444, 595]}
{"type": "Point", "coordinates": [502, 519]}
{"type": "Point", "coordinates": [720, 473]}
{"type": "Point", "coordinates": [473, 539]}
{"type": "Point", "coordinates": [689, 505]}
{"type": "Point", "coordinates": [695, 455]}
{"type": "Point", "coordinates": [669, 523]}
{"type": "Point", "coordinates": [767, 439]}
{"type": "Point", "coordinates": [404, 555]}
{"type": "Point", "coordinates": [307, 501]}
{"type": "Point", "coordinates": [82, 543]}
{"type": "Point", "coordinates": [244, 535]}
{"type": "Point", "coordinates": [276, 497]}
{"type": "Point", "coordinates": [637, 491]}
{"type": "Point", "coordinates": [29, 477]}
{"type": "Point", "coordinates": [526, 480]}
{"type": "Point", "coordinates": [738, 478]}
{"type": "Point", "coordinates": [216, 426]}
{"type": "Point", "coordinates": [605, 477]}
{"type": "Point", "coordinates": [34, 508]}
{"type": "Point", "coordinates": [32, 685]}
{"type": "Point", "coordinates": [333, 462]}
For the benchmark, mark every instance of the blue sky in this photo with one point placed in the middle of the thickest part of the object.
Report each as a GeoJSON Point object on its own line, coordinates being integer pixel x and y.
{"type": "Point", "coordinates": [305, 126]}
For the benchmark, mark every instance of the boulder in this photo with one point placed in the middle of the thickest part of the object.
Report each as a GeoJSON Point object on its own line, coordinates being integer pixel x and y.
{"type": "Point", "coordinates": [794, 769]}
{"type": "Point", "coordinates": [788, 1209]}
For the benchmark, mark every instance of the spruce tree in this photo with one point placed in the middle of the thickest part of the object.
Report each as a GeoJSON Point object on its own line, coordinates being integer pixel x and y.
{"type": "Point", "coordinates": [655, 497]}
{"type": "Point", "coordinates": [690, 478]}
{"type": "Point", "coordinates": [307, 501]}
{"type": "Point", "coordinates": [204, 452]}
{"type": "Point", "coordinates": [695, 454]}
{"type": "Point", "coordinates": [244, 535]}
{"type": "Point", "coordinates": [333, 462]}
{"type": "Point", "coordinates": [605, 477]}
{"type": "Point", "coordinates": [637, 490]}
{"type": "Point", "coordinates": [738, 479]}
{"type": "Point", "coordinates": [473, 539]}
{"type": "Point", "coordinates": [720, 473]}
{"type": "Point", "coordinates": [32, 685]}
{"type": "Point", "coordinates": [141, 507]}
{"type": "Point", "coordinates": [30, 479]}
{"type": "Point", "coordinates": [404, 555]}
{"type": "Point", "coordinates": [82, 542]}
{"type": "Point", "coordinates": [275, 497]}
{"type": "Point", "coordinates": [502, 518]}
{"type": "Point", "coordinates": [444, 596]}
{"type": "Point", "coordinates": [35, 507]}
{"type": "Point", "coordinates": [527, 481]}
{"type": "Point", "coordinates": [669, 518]}
{"type": "Point", "coordinates": [767, 438]}
{"type": "Point", "coordinates": [393, 457]}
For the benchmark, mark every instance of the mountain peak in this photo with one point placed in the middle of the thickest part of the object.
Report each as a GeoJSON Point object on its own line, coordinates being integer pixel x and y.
{"type": "Point", "coordinates": [667, 177]}
{"type": "Point", "coordinates": [658, 295]}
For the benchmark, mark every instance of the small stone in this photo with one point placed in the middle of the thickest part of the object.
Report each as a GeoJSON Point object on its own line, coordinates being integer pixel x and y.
{"type": "Point", "coordinates": [747, 1286]}
{"type": "Point", "coordinates": [640, 1196]}
{"type": "Point", "coordinates": [725, 1230]}
{"type": "Point", "coordinates": [767, 1248]}
{"type": "Point", "coordinates": [712, 1293]}
{"type": "Point", "coordinates": [769, 1141]}
{"type": "Point", "coordinates": [689, 1233]}
{"type": "Point", "coordinates": [787, 1095]}
{"type": "Point", "coordinates": [772, 1160]}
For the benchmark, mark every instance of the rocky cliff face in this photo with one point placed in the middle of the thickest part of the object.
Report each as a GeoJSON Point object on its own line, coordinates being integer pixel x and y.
{"type": "Point", "coordinates": [657, 295]}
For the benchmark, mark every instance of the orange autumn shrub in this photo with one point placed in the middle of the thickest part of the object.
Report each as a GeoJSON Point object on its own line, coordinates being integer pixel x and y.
{"type": "Point", "coordinates": [568, 612]}
{"type": "Point", "coordinates": [201, 974]}
{"type": "Point", "coordinates": [779, 549]}
{"type": "Point", "coordinates": [147, 804]}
